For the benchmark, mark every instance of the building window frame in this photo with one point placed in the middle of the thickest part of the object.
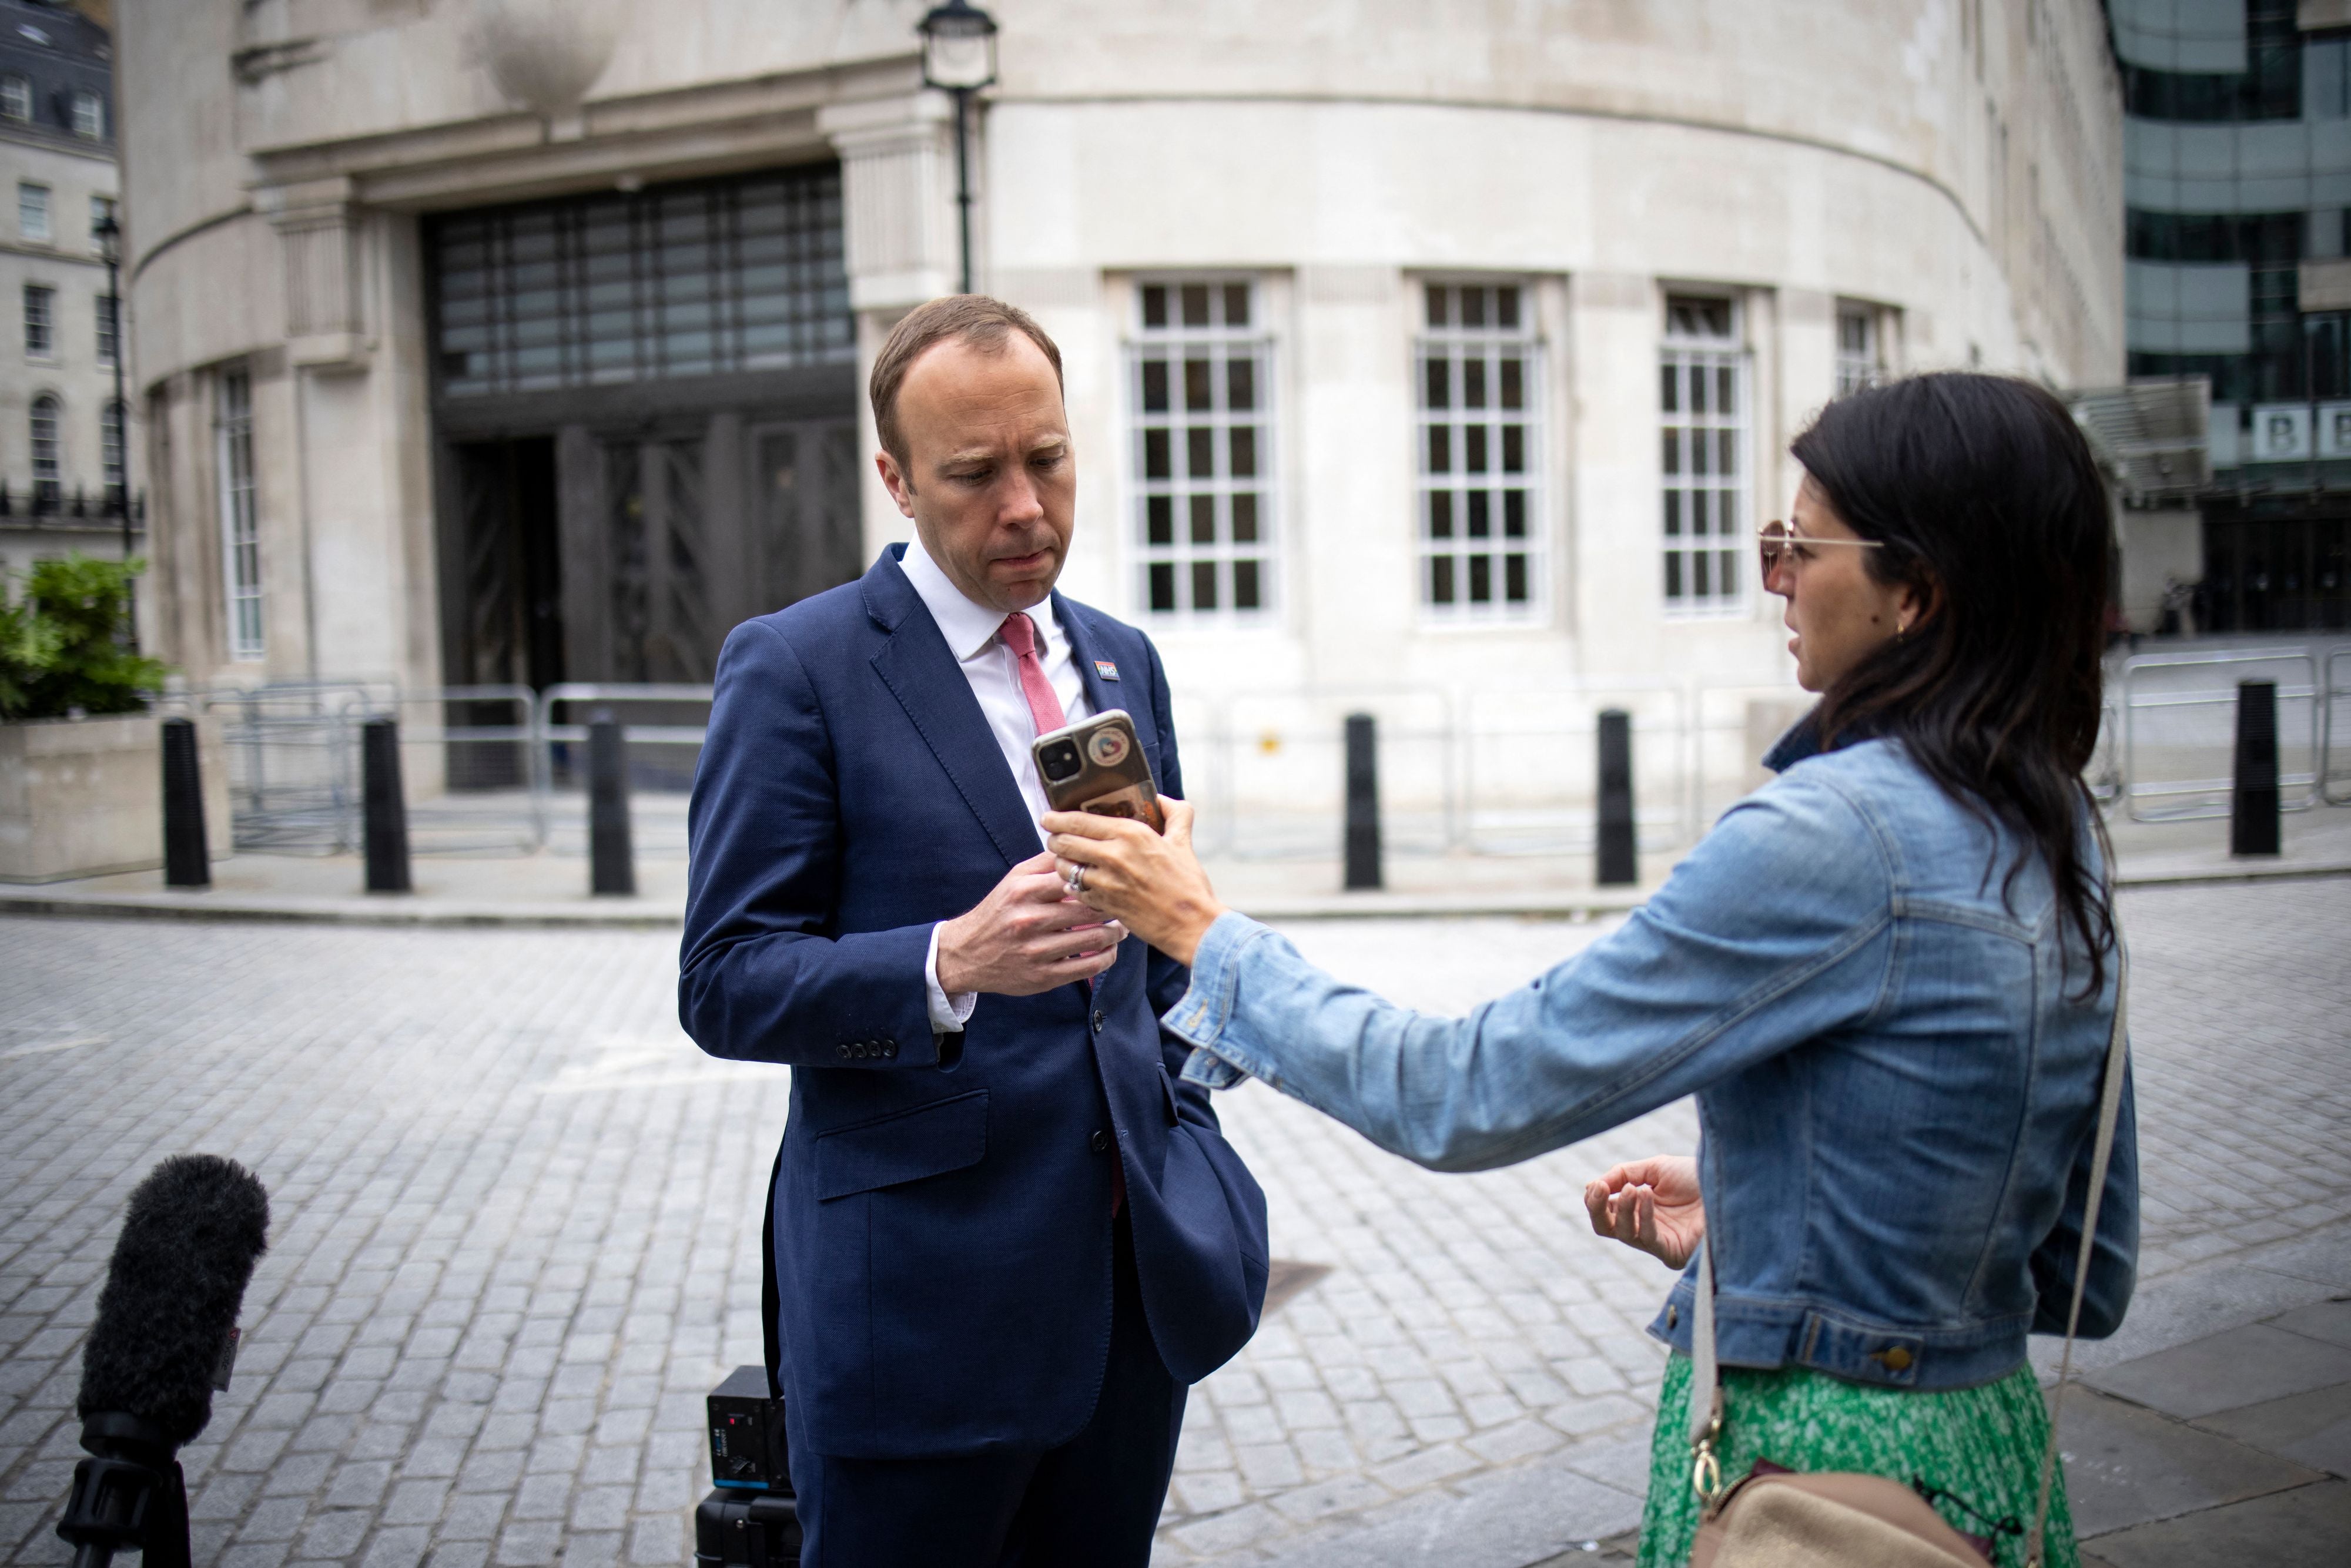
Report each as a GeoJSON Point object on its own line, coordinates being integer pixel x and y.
{"type": "Point", "coordinates": [16, 98]}
{"type": "Point", "coordinates": [86, 110]}
{"type": "Point", "coordinates": [1862, 330]}
{"type": "Point", "coordinates": [1481, 529]}
{"type": "Point", "coordinates": [33, 219]}
{"type": "Point", "coordinates": [1706, 453]}
{"type": "Point", "coordinates": [106, 309]}
{"type": "Point", "coordinates": [44, 428]}
{"type": "Point", "coordinates": [239, 514]}
{"type": "Point", "coordinates": [113, 471]}
{"type": "Point", "coordinates": [1207, 474]}
{"type": "Point", "coordinates": [40, 321]}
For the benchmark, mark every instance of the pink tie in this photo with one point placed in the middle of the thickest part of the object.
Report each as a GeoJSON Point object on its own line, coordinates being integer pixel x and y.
{"type": "Point", "coordinates": [1019, 634]}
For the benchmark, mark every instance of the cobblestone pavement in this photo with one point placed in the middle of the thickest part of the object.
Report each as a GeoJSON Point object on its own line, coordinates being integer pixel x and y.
{"type": "Point", "coordinates": [516, 1226]}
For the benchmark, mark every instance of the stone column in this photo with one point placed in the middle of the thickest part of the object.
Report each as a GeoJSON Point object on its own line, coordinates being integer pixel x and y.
{"type": "Point", "coordinates": [897, 178]}
{"type": "Point", "coordinates": [318, 229]}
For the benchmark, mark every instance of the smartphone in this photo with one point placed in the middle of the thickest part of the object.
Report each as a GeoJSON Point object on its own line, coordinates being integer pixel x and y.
{"type": "Point", "coordinates": [1096, 765]}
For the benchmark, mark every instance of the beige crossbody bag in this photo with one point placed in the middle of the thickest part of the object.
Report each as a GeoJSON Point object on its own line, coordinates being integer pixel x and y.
{"type": "Point", "coordinates": [1777, 1519]}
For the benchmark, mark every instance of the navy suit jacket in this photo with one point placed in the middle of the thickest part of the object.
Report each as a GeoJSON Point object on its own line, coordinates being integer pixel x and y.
{"type": "Point", "coordinates": [941, 1217]}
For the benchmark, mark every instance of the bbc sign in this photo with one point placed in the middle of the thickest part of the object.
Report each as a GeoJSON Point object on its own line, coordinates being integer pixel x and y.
{"type": "Point", "coordinates": [2297, 432]}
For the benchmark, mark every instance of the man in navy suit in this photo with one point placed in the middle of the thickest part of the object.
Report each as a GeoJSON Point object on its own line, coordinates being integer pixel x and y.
{"type": "Point", "coordinates": [1006, 1236]}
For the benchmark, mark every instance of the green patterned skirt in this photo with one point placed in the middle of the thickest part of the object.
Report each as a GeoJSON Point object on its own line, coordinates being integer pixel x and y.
{"type": "Point", "coordinates": [1981, 1446]}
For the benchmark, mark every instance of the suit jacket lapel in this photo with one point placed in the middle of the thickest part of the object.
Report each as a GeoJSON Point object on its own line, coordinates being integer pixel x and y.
{"type": "Point", "coordinates": [1085, 647]}
{"type": "Point", "coordinates": [923, 675]}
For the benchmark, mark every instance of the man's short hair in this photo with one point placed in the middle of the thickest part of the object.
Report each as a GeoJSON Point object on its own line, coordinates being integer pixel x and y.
{"type": "Point", "coordinates": [985, 323]}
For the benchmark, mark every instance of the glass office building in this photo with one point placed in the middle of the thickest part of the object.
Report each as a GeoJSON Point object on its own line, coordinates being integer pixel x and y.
{"type": "Point", "coordinates": [2236, 141]}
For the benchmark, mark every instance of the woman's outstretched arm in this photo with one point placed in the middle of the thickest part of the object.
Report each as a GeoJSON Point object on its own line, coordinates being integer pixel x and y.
{"type": "Point", "coordinates": [1775, 930]}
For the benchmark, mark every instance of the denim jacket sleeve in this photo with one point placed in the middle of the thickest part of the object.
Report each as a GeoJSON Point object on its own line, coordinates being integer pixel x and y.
{"type": "Point", "coordinates": [1776, 929]}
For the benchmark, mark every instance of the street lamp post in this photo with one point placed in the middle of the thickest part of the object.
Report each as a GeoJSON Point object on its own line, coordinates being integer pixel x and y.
{"type": "Point", "coordinates": [109, 234]}
{"type": "Point", "coordinates": [959, 58]}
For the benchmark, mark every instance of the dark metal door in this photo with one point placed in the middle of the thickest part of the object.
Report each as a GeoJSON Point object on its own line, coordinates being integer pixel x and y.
{"type": "Point", "coordinates": [805, 535]}
{"type": "Point", "coordinates": [513, 630]}
{"type": "Point", "coordinates": [662, 625]}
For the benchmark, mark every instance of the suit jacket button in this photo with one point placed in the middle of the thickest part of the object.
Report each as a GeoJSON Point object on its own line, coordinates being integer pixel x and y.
{"type": "Point", "coordinates": [1100, 1141]}
{"type": "Point", "coordinates": [889, 1049]}
{"type": "Point", "coordinates": [1100, 1019]}
{"type": "Point", "coordinates": [843, 1051]}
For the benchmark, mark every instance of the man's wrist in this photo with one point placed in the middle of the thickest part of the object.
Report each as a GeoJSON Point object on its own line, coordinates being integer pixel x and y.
{"type": "Point", "coordinates": [949, 1008]}
{"type": "Point", "coordinates": [946, 966]}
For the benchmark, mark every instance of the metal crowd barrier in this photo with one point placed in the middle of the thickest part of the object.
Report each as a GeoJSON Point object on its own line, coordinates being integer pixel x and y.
{"type": "Point", "coordinates": [293, 763]}
{"type": "Point", "coordinates": [662, 725]}
{"type": "Point", "coordinates": [2189, 726]}
{"type": "Point", "coordinates": [1488, 772]}
{"type": "Point", "coordinates": [1503, 772]}
{"type": "Point", "coordinates": [471, 766]}
{"type": "Point", "coordinates": [2338, 697]}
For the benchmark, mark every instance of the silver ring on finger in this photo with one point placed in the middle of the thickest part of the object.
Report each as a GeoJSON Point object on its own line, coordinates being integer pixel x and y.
{"type": "Point", "coordinates": [1078, 879]}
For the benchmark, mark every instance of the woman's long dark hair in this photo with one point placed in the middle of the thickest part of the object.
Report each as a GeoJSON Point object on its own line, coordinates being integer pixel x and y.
{"type": "Point", "coordinates": [1991, 507]}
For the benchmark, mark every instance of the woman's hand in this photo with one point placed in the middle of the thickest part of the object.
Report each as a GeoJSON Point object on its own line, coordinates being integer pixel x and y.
{"type": "Point", "coordinates": [1150, 883]}
{"type": "Point", "coordinates": [1652, 1203]}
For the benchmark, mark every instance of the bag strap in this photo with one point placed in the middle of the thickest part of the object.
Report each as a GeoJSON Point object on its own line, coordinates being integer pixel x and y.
{"type": "Point", "coordinates": [1706, 1415]}
{"type": "Point", "coordinates": [2110, 1101]}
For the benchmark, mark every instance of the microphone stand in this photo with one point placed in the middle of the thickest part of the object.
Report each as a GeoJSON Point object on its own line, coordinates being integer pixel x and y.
{"type": "Point", "coordinates": [128, 1495]}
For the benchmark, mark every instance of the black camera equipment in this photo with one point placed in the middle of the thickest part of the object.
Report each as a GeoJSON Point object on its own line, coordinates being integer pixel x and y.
{"type": "Point", "coordinates": [1060, 759]}
{"type": "Point", "coordinates": [750, 1519]}
{"type": "Point", "coordinates": [165, 1339]}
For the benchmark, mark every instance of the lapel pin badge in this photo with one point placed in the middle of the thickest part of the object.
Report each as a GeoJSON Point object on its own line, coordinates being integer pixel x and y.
{"type": "Point", "coordinates": [1105, 669]}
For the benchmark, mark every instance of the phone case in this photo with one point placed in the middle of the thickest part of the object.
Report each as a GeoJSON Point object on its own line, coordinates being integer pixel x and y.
{"type": "Point", "coordinates": [1114, 778]}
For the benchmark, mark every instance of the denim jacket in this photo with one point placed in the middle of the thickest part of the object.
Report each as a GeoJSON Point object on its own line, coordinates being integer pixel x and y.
{"type": "Point", "coordinates": [1896, 1074]}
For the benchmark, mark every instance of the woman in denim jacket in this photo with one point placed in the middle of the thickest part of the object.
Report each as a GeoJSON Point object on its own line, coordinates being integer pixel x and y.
{"type": "Point", "coordinates": [1888, 976]}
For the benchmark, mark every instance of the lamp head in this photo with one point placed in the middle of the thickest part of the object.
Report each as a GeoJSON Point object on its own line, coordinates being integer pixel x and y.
{"type": "Point", "coordinates": [958, 47]}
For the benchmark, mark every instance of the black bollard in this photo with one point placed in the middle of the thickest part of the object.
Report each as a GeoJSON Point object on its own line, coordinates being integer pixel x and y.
{"type": "Point", "coordinates": [1619, 866]}
{"type": "Point", "coordinates": [2253, 799]}
{"type": "Point", "coordinates": [187, 860]}
{"type": "Point", "coordinates": [1363, 803]}
{"type": "Point", "coordinates": [384, 807]}
{"type": "Point", "coordinates": [611, 866]}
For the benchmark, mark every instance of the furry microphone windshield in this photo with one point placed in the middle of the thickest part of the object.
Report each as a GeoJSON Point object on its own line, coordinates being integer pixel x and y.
{"type": "Point", "coordinates": [190, 1238]}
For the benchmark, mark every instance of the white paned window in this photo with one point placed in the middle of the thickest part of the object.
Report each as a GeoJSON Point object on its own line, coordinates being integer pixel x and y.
{"type": "Point", "coordinates": [40, 321]}
{"type": "Point", "coordinates": [1481, 532]}
{"type": "Point", "coordinates": [1703, 412]}
{"type": "Point", "coordinates": [1201, 381]}
{"type": "Point", "coordinates": [240, 524]}
{"type": "Point", "coordinates": [32, 210]}
{"type": "Point", "coordinates": [109, 321]}
{"type": "Point", "coordinates": [88, 115]}
{"type": "Point", "coordinates": [102, 209]}
{"type": "Point", "coordinates": [16, 98]}
{"type": "Point", "coordinates": [42, 429]}
{"type": "Point", "coordinates": [110, 444]}
{"type": "Point", "coordinates": [1860, 355]}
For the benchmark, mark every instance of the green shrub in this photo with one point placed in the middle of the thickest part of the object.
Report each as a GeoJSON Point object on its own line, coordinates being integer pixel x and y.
{"type": "Point", "coordinates": [63, 645]}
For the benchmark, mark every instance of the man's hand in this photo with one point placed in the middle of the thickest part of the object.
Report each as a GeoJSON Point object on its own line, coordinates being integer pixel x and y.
{"type": "Point", "coordinates": [1653, 1204]}
{"type": "Point", "coordinates": [1026, 936]}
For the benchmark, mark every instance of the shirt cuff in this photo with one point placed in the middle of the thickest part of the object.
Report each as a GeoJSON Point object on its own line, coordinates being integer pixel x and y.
{"type": "Point", "coordinates": [1199, 1016]}
{"type": "Point", "coordinates": [948, 1014]}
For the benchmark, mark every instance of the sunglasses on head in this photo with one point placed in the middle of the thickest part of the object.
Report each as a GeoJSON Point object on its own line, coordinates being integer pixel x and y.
{"type": "Point", "coordinates": [1777, 542]}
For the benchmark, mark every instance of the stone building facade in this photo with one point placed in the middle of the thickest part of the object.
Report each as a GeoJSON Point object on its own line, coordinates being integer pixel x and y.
{"type": "Point", "coordinates": [1417, 350]}
{"type": "Point", "coordinates": [61, 443]}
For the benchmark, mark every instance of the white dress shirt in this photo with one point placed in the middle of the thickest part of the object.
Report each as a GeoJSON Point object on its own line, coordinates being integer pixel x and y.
{"type": "Point", "coordinates": [970, 629]}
